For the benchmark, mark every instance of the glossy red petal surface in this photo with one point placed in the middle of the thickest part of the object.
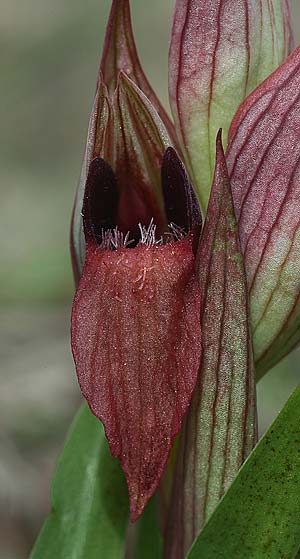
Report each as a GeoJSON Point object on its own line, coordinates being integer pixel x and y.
{"type": "Point", "coordinates": [264, 165]}
{"type": "Point", "coordinates": [136, 341]}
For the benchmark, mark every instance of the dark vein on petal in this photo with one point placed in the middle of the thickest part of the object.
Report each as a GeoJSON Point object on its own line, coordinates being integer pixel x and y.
{"type": "Point", "coordinates": [280, 211]}
{"type": "Point", "coordinates": [247, 46]}
{"type": "Point", "coordinates": [252, 129]}
{"type": "Point", "coordinates": [273, 292]}
{"type": "Point", "coordinates": [264, 155]}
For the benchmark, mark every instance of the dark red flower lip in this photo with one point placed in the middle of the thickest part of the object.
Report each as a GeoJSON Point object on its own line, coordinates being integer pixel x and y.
{"type": "Point", "coordinates": [136, 342]}
{"type": "Point", "coordinates": [136, 332]}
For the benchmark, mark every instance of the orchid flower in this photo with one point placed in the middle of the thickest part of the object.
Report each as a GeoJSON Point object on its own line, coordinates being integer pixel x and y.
{"type": "Point", "coordinates": [136, 331]}
{"type": "Point", "coordinates": [170, 321]}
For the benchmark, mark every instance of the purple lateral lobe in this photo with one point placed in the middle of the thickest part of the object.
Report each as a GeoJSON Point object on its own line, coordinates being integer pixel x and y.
{"type": "Point", "coordinates": [180, 201]}
{"type": "Point", "coordinates": [101, 200]}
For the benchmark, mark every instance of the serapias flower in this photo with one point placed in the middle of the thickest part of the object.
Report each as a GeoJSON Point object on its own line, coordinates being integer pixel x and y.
{"type": "Point", "coordinates": [126, 115]}
{"type": "Point", "coordinates": [136, 333]}
{"type": "Point", "coordinates": [136, 321]}
{"type": "Point", "coordinates": [137, 315]}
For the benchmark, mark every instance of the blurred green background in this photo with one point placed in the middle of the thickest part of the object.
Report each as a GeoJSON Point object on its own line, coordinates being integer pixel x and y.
{"type": "Point", "coordinates": [50, 55]}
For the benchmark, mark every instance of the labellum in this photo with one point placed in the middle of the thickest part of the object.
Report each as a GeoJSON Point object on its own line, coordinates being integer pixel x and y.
{"type": "Point", "coordinates": [136, 318]}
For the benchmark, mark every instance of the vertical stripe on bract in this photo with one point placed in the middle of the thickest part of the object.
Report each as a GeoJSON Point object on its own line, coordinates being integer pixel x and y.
{"type": "Point", "coordinates": [220, 428]}
{"type": "Point", "coordinates": [264, 165]}
{"type": "Point", "coordinates": [100, 122]}
{"type": "Point", "coordinates": [220, 51]}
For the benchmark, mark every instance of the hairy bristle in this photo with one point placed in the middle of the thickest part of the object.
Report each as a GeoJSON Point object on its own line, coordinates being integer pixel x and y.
{"type": "Point", "coordinates": [177, 233]}
{"type": "Point", "coordinates": [113, 239]}
{"type": "Point", "coordinates": [148, 235]}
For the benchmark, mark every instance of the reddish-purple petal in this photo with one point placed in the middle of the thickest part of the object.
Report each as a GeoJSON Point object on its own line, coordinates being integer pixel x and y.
{"type": "Point", "coordinates": [264, 165]}
{"type": "Point", "coordinates": [136, 344]}
{"type": "Point", "coordinates": [140, 141]}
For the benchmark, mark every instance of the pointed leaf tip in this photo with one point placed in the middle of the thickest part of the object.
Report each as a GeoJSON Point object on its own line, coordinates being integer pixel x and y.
{"type": "Point", "coordinates": [220, 428]}
{"type": "Point", "coordinates": [136, 339]}
{"type": "Point", "coordinates": [120, 55]}
{"type": "Point", "coordinates": [119, 50]}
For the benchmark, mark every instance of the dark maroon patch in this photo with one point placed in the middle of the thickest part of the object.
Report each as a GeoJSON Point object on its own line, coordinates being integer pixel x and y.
{"type": "Point", "coordinates": [100, 200]}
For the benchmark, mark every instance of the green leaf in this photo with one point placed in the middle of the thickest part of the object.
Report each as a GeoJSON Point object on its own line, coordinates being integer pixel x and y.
{"type": "Point", "coordinates": [148, 539]}
{"type": "Point", "coordinates": [89, 513]}
{"type": "Point", "coordinates": [259, 517]}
